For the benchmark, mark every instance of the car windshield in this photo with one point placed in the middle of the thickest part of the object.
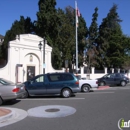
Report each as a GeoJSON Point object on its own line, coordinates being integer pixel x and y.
{"type": "Point", "coordinates": [106, 75]}
{"type": "Point", "coordinates": [5, 82]}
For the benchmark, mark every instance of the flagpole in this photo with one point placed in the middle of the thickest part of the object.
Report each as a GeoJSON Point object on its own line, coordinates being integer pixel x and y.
{"type": "Point", "coordinates": [76, 37]}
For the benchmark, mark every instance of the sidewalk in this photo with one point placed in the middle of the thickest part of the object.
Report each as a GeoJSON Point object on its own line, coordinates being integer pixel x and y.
{"type": "Point", "coordinates": [5, 114]}
{"type": "Point", "coordinates": [103, 87]}
{"type": "Point", "coordinates": [11, 115]}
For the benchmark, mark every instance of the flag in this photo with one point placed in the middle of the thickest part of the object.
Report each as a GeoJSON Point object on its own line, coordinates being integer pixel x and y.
{"type": "Point", "coordinates": [77, 14]}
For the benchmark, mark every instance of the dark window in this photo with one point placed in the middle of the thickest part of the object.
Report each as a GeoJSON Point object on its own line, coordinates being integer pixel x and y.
{"type": "Point", "coordinates": [54, 77]}
{"type": "Point", "coordinates": [118, 75]}
{"type": "Point", "coordinates": [66, 77]}
{"type": "Point", "coordinates": [60, 77]}
{"type": "Point", "coordinates": [112, 75]}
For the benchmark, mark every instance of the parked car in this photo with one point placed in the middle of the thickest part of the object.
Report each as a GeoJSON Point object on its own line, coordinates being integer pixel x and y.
{"type": "Point", "coordinates": [10, 91]}
{"type": "Point", "coordinates": [86, 85]}
{"type": "Point", "coordinates": [113, 79]}
{"type": "Point", "coordinates": [64, 84]}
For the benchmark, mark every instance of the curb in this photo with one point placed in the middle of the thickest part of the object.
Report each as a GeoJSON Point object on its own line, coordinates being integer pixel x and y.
{"type": "Point", "coordinates": [7, 116]}
{"type": "Point", "coordinates": [103, 87]}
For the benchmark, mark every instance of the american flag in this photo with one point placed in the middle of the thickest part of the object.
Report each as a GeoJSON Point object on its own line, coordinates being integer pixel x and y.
{"type": "Point", "coordinates": [77, 15]}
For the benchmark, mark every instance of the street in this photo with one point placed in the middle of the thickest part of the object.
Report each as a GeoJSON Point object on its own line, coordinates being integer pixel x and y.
{"type": "Point", "coordinates": [98, 110]}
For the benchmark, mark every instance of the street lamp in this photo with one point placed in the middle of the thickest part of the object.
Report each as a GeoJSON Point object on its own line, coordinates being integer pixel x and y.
{"type": "Point", "coordinates": [40, 47]}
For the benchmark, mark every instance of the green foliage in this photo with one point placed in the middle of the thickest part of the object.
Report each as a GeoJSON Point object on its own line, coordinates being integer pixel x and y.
{"type": "Point", "coordinates": [1, 53]}
{"type": "Point", "coordinates": [109, 43]}
{"type": "Point", "coordinates": [91, 40]}
{"type": "Point", "coordinates": [59, 30]}
{"type": "Point", "coordinates": [18, 27]}
{"type": "Point", "coordinates": [105, 45]}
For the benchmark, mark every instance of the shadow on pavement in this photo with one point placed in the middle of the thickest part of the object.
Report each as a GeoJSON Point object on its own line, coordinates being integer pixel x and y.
{"type": "Point", "coordinates": [12, 102]}
{"type": "Point", "coordinates": [50, 96]}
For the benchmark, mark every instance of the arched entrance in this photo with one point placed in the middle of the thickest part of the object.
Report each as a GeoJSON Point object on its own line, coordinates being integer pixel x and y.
{"type": "Point", "coordinates": [31, 66]}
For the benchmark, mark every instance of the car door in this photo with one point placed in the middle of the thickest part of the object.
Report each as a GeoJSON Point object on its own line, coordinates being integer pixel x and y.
{"type": "Point", "coordinates": [55, 84]}
{"type": "Point", "coordinates": [37, 86]}
{"type": "Point", "coordinates": [110, 79]}
{"type": "Point", "coordinates": [117, 78]}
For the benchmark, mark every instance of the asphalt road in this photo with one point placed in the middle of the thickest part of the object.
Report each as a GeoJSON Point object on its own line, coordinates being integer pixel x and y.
{"type": "Point", "coordinates": [98, 110]}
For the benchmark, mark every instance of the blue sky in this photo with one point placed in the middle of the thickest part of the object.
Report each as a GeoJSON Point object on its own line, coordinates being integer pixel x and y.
{"type": "Point", "coordinates": [10, 10]}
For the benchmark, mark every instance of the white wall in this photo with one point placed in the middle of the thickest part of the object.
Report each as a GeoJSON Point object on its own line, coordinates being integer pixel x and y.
{"type": "Point", "coordinates": [92, 75]}
{"type": "Point", "coordinates": [19, 52]}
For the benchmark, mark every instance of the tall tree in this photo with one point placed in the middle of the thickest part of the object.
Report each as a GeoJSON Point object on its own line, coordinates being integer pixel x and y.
{"type": "Point", "coordinates": [47, 20]}
{"type": "Point", "coordinates": [46, 26]}
{"type": "Point", "coordinates": [91, 40]}
{"type": "Point", "coordinates": [58, 26]}
{"type": "Point", "coordinates": [109, 45]}
{"type": "Point", "coordinates": [67, 37]}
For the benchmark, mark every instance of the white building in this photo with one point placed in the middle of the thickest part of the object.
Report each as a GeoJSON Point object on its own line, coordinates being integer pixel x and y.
{"type": "Point", "coordinates": [25, 59]}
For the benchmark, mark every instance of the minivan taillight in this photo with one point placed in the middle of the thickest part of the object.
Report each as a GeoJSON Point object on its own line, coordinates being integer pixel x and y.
{"type": "Point", "coordinates": [15, 90]}
{"type": "Point", "coordinates": [77, 82]}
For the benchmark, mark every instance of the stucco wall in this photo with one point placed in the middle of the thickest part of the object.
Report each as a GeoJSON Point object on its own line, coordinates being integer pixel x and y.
{"type": "Point", "coordinates": [19, 52]}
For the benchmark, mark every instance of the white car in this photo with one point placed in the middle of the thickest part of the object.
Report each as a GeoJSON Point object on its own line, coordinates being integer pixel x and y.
{"type": "Point", "coordinates": [87, 84]}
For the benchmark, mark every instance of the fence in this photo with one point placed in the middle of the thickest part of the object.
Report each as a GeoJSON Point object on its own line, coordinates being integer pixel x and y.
{"type": "Point", "coordinates": [93, 73]}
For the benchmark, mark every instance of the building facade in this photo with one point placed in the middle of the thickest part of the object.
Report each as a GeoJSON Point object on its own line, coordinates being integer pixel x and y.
{"type": "Point", "coordinates": [25, 60]}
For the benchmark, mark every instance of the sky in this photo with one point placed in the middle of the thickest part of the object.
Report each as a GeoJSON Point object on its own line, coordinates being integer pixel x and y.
{"type": "Point", "coordinates": [11, 10]}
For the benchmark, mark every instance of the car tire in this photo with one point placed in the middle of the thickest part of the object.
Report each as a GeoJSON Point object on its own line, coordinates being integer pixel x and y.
{"type": "Point", "coordinates": [101, 83]}
{"type": "Point", "coordinates": [66, 93]}
{"type": "Point", "coordinates": [1, 101]}
{"type": "Point", "coordinates": [123, 83]}
{"type": "Point", "coordinates": [26, 95]}
{"type": "Point", "coordinates": [85, 88]}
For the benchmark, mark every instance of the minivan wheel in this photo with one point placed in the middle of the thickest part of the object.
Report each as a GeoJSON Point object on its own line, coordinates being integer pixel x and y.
{"type": "Point", "coordinates": [123, 83]}
{"type": "Point", "coordinates": [1, 101]}
{"type": "Point", "coordinates": [85, 88]}
{"type": "Point", "coordinates": [66, 93]}
{"type": "Point", "coordinates": [101, 84]}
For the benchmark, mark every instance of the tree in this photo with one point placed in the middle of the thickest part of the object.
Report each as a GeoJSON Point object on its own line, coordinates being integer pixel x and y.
{"type": "Point", "coordinates": [58, 27]}
{"type": "Point", "coordinates": [47, 20]}
{"type": "Point", "coordinates": [109, 40]}
{"type": "Point", "coordinates": [91, 40]}
{"type": "Point", "coordinates": [1, 53]}
{"type": "Point", "coordinates": [24, 25]}
{"type": "Point", "coordinates": [46, 26]}
{"type": "Point", "coordinates": [67, 38]}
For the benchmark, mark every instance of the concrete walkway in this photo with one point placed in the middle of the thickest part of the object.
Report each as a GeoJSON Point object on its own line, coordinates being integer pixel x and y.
{"type": "Point", "coordinates": [11, 115]}
{"type": "Point", "coordinates": [5, 114]}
